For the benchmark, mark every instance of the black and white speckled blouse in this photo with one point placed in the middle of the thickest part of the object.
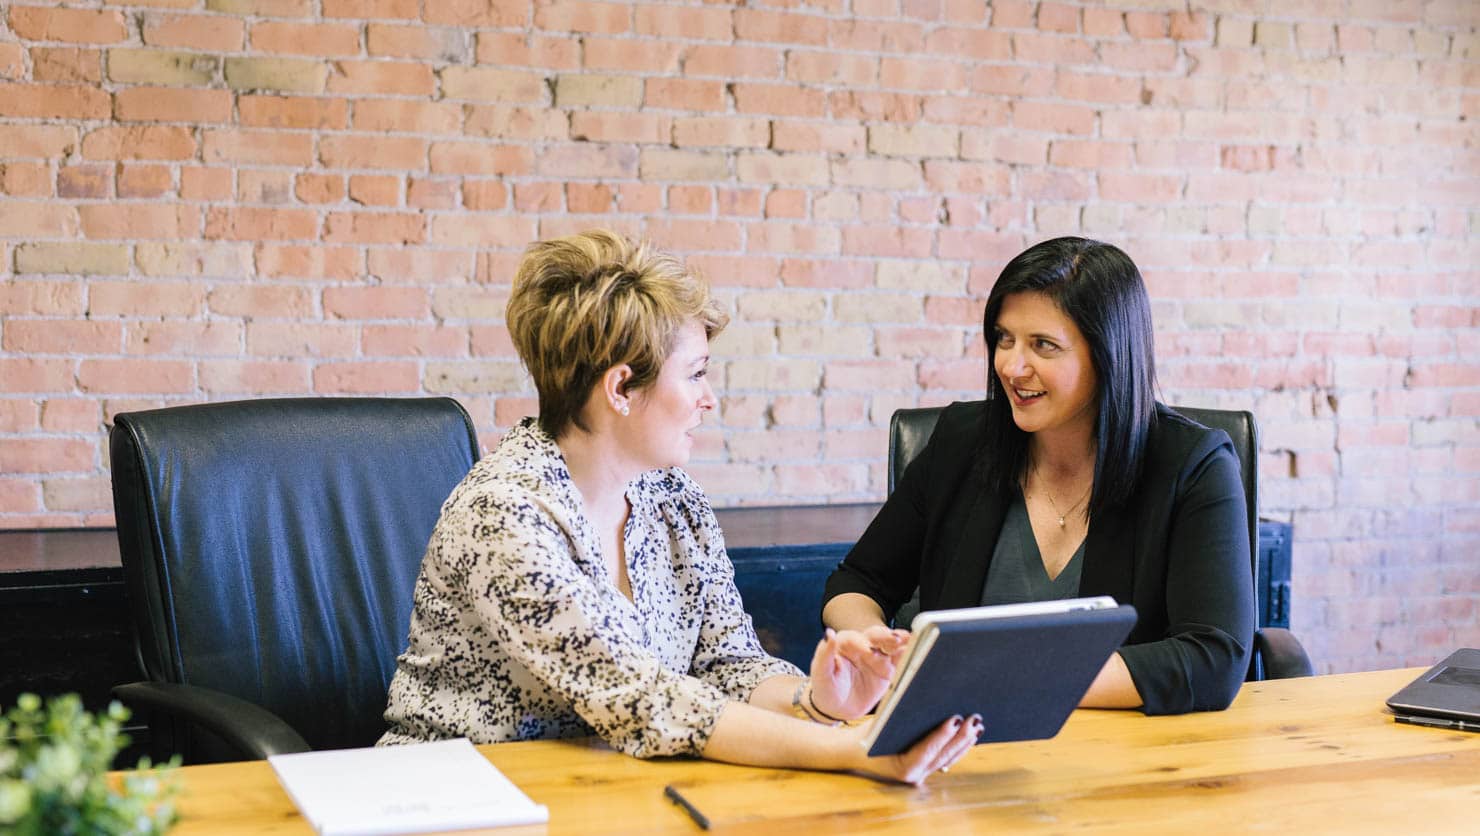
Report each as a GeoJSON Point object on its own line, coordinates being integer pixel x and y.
{"type": "Point", "coordinates": [517, 632]}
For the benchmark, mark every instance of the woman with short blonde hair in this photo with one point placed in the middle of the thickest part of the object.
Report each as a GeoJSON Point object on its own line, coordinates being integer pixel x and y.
{"type": "Point", "coordinates": [588, 302]}
{"type": "Point", "coordinates": [577, 581]}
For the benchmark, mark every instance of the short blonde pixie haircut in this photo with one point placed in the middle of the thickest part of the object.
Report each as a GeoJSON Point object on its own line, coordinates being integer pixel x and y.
{"type": "Point", "coordinates": [587, 302]}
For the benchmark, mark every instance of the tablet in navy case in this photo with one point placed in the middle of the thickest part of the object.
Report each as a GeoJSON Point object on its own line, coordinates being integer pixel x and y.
{"type": "Point", "coordinates": [1023, 674]}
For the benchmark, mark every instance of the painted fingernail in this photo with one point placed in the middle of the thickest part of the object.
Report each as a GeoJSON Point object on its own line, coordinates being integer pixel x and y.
{"type": "Point", "coordinates": [956, 722]}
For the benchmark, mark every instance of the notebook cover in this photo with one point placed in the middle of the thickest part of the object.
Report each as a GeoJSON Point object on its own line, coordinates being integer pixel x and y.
{"type": "Point", "coordinates": [413, 788]}
{"type": "Point", "coordinates": [1022, 674]}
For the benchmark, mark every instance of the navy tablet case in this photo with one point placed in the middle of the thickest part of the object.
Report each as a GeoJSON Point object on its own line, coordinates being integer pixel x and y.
{"type": "Point", "coordinates": [1022, 674]}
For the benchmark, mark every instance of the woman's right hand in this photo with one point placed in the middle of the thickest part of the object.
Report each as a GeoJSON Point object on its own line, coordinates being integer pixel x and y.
{"type": "Point", "coordinates": [852, 669]}
{"type": "Point", "coordinates": [936, 752]}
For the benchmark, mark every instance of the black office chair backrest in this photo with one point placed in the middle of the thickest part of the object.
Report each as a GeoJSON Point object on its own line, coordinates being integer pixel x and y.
{"type": "Point", "coordinates": [1241, 429]}
{"type": "Point", "coordinates": [910, 429]}
{"type": "Point", "coordinates": [270, 547]}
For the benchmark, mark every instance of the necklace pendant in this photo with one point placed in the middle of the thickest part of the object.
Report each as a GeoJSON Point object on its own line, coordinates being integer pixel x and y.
{"type": "Point", "coordinates": [1061, 522]}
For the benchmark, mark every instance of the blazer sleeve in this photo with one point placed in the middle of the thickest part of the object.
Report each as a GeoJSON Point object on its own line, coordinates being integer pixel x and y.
{"type": "Point", "coordinates": [1201, 662]}
{"type": "Point", "coordinates": [885, 562]}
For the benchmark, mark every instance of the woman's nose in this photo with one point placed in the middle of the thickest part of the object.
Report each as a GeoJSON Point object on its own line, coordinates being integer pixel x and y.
{"type": "Point", "coordinates": [1012, 362]}
{"type": "Point", "coordinates": [706, 398]}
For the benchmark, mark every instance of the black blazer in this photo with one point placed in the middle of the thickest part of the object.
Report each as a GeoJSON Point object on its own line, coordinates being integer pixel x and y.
{"type": "Point", "coordinates": [1178, 551]}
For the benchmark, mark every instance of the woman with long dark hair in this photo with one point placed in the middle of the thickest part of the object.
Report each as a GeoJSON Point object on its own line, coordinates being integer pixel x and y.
{"type": "Point", "coordinates": [1071, 480]}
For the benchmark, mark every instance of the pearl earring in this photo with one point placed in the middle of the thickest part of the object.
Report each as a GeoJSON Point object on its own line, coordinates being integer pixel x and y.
{"type": "Point", "coordinates": [623, 409]}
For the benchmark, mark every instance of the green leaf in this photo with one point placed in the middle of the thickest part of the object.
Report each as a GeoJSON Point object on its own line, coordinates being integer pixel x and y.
{"type": "Point", "coordinates": [54, 759]}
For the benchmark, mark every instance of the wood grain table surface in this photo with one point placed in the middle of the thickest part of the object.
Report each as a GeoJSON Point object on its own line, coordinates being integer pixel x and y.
{"type": "Point", "coordinates": [1316, 755]}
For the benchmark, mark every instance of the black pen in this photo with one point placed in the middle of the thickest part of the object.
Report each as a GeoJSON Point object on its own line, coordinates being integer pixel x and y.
{"type": "Point", "coordinates": [698, 817]}
{"type": "Point", "coordinates": [1437, 722]}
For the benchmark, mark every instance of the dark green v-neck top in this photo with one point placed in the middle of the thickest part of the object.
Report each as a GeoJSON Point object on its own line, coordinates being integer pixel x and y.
{"type": "Point", "coordinates": [1016, 574]}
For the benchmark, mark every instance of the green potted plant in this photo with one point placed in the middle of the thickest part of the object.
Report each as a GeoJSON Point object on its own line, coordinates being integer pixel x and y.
{"type": "Point", "coordinates": [54, 762]}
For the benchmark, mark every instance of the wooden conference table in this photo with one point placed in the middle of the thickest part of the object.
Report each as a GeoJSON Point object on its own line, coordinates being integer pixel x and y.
{"type": "Point", "coordinates": [1297, 755]}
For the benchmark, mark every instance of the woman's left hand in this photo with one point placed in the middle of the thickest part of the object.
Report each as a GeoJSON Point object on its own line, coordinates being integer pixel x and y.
{"type": "Point", "coordinates": [852, 669]}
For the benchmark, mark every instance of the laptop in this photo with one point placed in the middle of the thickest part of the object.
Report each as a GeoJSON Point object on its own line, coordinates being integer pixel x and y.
{"type": "Point", "coordinates": [1446, 695]}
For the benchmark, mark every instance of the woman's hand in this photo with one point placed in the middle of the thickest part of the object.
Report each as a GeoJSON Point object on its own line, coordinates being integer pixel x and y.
{"type": "Point", "coordinates": [937, 752]}
{"type": "Point", "coordinates": [852, 669]}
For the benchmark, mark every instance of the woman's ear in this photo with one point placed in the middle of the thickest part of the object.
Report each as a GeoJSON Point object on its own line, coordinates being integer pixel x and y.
{"type": "Point", "coordinates": [614, 384]}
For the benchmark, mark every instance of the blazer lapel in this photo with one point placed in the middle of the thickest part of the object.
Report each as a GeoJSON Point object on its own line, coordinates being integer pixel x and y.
{"type": "Point", "coordinates": [1109, 564]}
{"type": "Point", "coordinates": [972, 551]}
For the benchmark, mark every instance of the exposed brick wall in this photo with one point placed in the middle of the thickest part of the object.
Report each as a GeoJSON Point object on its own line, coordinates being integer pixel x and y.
{"type": "Point", "coordinates": [214, 199]}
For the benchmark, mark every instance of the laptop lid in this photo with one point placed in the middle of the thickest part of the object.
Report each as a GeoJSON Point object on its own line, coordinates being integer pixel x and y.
{"type": "Point", "coordinates": [1450, 689]}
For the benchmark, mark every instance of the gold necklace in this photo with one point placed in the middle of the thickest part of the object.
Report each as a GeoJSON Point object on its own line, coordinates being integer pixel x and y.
{"type": "Point", "coordinates": [1055, 505]}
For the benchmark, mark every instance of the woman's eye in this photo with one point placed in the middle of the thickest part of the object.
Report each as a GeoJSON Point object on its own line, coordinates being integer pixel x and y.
{"type": "Point", "coordinates": [1045, 345]}
{"type": "Point", "coordinates": [1003, 340]}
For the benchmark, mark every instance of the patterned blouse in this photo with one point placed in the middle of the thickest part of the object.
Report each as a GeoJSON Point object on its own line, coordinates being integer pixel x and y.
{"type": "Point", "coordinates": [517, 632]}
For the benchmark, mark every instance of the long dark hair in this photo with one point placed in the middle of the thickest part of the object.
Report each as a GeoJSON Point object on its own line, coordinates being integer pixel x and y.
{"type": "Point", "coordinates": [1098, 287]}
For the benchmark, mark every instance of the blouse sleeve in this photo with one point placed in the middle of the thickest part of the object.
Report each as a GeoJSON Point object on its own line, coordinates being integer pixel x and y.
{"type": "Point", "coordinates": [1201, 663]}
{"type": "Point", "coordinates": [524, 585]}
{"type": "Point", "coordinates": [729, 654]}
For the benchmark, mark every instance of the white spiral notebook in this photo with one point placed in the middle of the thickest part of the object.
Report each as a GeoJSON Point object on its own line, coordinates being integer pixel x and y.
{"type": "Point", "coordinates": [421, 787]}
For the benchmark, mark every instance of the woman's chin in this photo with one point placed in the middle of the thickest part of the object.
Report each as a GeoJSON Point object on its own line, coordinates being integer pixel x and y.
{"type": "Point", "coordinates": [1023, 420]}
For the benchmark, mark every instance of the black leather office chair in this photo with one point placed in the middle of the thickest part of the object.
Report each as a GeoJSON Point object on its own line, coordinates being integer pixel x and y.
{"type": "Point", "coordinates": [270, 548]}
{"type": "Point", "coordinates": [1277, 653]}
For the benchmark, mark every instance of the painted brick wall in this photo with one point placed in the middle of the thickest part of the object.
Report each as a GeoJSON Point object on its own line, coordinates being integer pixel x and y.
{"type": "Point", "coordinates": [216, 199]}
